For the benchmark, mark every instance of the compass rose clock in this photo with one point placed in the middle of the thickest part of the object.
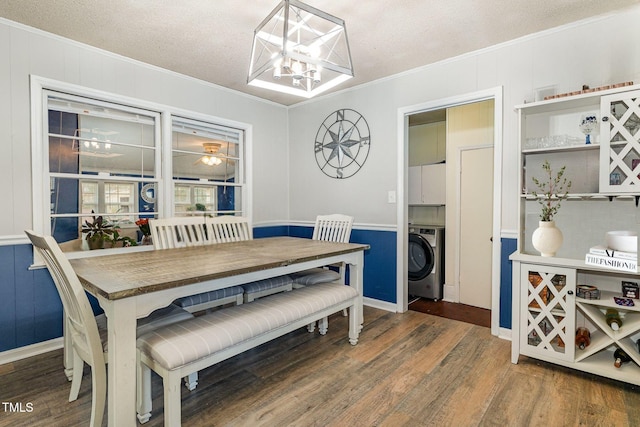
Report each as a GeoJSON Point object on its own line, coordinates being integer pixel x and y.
{"type": "Point", "coordinates": [342, 143]}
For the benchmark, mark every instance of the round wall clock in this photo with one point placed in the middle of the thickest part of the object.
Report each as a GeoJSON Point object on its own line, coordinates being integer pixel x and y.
{"type": "Point", "coordinates": [342, 143]}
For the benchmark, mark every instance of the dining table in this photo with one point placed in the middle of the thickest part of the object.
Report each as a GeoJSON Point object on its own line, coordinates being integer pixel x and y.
{"type": "Point", "coordinates": [129, 286]}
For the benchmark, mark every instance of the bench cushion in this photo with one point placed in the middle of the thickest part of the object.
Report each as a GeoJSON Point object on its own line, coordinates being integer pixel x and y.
{"type": "Point", "coordinates": [191, 340]}
{"type": "Point", "coordinates": [266, 284]}
{"type": "Point", "coordinates": [314, 276]}
{"type": "Point", "coordinates": [206, 297]}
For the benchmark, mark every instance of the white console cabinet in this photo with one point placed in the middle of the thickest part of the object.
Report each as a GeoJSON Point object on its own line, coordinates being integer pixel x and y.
{"type": "Point", "coordinates": [549, 311]}
{"type": "Point", "coordinates": [604, 196]}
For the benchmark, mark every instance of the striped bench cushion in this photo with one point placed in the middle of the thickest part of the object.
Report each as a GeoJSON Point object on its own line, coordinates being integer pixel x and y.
{"type": "Point", "coordinates": [185, 342]}
{"type": "Point", "coordinates": [314, 276]}
{"type": "Point", "coordinates": [206, 297]}
{"type": "Point", "coordinates": [263, 285]}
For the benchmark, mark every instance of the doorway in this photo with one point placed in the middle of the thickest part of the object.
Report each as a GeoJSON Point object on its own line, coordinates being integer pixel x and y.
{"type": "Point", "coordinates": [494, 94]}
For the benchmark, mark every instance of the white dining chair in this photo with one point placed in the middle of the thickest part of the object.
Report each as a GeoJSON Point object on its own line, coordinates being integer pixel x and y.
{"type": "Point", "coordinates": [179, 232]}
{"type": "Point", "coordinates": [83, 329]}
{"type": "Point", "coordinates": [227, 228]}
{"type": "Point", "coordinates": [330, 228]}
{"type": "Point", "coordinates": [85, 334]}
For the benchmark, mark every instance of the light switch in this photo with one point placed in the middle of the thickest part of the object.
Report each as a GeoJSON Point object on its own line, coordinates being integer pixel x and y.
{"type": "Point", "coordinates": [391, 196]}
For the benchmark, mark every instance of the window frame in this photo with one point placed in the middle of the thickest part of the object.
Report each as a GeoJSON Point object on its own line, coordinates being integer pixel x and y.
{"type": "Point", "coordinates": [41, 212]}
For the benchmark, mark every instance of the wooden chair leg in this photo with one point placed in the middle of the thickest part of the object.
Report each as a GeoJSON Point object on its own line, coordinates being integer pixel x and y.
{"type": "Point", "coordinates": [67, 348]}
{"type": "Point", "coordinates": [191, 381]}
{"type": "Point", "coordinates": [323, 325]}
{"type": "Point", "coordinates": [98, 394]}
{"type": "Point", "coordinates": [76, 380]}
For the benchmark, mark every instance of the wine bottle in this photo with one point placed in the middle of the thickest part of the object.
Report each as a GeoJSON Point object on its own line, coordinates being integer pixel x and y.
{"type": "Point", "coordinates": [583, 337]}
{"type": "Point", "coordinates": [613, 319]}
{"type": "Point", "coordinates": [620, 357]}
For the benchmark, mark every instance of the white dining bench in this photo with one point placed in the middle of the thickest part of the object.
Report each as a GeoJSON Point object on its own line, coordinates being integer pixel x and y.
{"type": "Point", "coordinates": [186, 347]}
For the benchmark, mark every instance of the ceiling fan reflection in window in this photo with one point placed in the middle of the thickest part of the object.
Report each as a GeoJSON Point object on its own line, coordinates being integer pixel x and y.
{"type": "Point", "coordinates": [211, 156]}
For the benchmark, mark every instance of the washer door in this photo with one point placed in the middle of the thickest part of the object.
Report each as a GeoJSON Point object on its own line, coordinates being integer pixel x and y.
{"type": "Point", "coordinates": [421, 257]}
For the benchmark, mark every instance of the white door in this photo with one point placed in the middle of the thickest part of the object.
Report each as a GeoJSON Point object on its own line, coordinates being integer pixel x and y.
{"type": "Point", "coordinates": [476, 222]}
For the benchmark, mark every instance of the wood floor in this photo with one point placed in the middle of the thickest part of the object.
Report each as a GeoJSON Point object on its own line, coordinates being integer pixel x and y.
{"type": "Point", "coordinates": [409, 369]}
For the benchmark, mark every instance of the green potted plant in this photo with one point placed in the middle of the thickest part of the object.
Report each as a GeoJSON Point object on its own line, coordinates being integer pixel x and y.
{"type": "Point", "coordinates": [116, 238]}
{"type": "Point", "coordinates": [97, 232]}
{"type": "Point", "coordinates": [551, 191]}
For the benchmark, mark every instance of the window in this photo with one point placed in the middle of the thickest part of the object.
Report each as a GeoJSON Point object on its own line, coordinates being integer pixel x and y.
{"type": "Point", "coordinates": [96, 154]}
{"type": "Point", "coordinates": [110, 198]}
{"type": "Point", "coordinates": [206, 166]}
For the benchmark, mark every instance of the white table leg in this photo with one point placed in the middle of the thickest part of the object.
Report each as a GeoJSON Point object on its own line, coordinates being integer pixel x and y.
{"type": "Point", "coordinates": [356, 273]}
{"type": "Point", "coordinates": [121, 391]}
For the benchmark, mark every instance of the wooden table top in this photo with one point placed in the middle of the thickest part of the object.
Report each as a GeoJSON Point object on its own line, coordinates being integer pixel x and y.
{"type": "Point", "coordinates": [125, 275]}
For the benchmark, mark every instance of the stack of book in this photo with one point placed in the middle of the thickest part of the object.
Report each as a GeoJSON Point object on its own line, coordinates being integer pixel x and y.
{"type": "Point", "coordinates": [608, 258]}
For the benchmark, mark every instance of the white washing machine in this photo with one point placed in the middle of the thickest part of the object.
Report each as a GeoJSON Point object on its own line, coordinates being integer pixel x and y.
{"type": "Point", "coordinates": [426, 261]}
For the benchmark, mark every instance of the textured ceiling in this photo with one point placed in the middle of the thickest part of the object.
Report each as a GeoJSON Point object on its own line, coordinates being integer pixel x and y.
{"type": "Point", "coordinates": [211, 39]}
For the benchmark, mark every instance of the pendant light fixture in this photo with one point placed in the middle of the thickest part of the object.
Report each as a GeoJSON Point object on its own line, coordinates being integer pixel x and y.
{"type": "Point", "coordinates": [300, 50]}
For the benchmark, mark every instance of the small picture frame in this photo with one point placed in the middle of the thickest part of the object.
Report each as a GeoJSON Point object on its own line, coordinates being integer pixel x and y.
{"type": "Point", "coordinates": [630, 290]}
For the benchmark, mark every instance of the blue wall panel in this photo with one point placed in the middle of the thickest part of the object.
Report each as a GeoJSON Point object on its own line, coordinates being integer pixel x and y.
{"type": "Point", "coordinates": [379, 261]}
{"type": "Point", "coordinates": [274, 231]}
{"type": "Point", "coordinates": [25, 292]}
{"type": "Point", "coordinates": [7, 299]}
{"type": "Point", "coordinates": [509, 246]}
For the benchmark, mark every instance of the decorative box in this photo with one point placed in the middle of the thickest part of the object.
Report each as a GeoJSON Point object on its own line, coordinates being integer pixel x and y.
{"type": "Point", "coordinates": [588, 292]}
{"type": "Point", "coordinates": [630, 290]}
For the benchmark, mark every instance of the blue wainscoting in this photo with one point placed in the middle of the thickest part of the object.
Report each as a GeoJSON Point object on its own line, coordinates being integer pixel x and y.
{"type": "Point", "coordinates": [509, 246]}
{"type": "Point", "coordinates": [31, 311]}
{"type": "Point", "coordinates": [30, 308]}
{"type": "Point", "coordinates": [379, 261]}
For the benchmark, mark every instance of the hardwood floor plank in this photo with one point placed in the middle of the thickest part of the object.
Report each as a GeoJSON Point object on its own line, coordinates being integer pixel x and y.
{"type": "Point", "coordinates": [410, 369]}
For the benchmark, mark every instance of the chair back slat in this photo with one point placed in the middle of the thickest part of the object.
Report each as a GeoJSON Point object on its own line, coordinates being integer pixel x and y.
{"type": "Point", "coordinates": [226, 228]}
{"type": "Point", "coordinates": [84, 329]}
{"type": "Point", "coordinates": [178, 232]}
{"type": "Point", "coordinates": [333, 228]}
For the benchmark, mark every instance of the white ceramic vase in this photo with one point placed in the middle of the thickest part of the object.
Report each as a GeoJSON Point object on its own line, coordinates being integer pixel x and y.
{"type": "Point", "coordinates": [547, 238]}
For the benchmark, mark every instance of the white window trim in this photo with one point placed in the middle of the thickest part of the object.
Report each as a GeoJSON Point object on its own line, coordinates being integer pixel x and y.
{"type": "Point", "coordinates": [39, 154]}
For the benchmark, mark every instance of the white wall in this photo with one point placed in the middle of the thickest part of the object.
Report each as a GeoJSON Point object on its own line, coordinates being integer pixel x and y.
{"type": "Point", "coordinates": [25, 51]}
{"type": "Point", "coordinates": [598, 51]}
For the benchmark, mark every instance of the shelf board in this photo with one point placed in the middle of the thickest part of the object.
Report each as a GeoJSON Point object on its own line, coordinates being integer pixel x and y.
{"type": "Point", "coordinates": [601, 363]}
{"type": "Point", "coordinates": [568, 102]}
{"type": "Point", "coordinates": [606, 301]}
{"type": "Point", "coordinates": [587, 196]}
{"type": "Point", "coordinates": [583, 147]}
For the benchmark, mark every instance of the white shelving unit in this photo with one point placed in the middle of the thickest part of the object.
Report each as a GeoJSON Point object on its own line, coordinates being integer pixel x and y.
{"type": "Point", "coordinates": [546, 310]}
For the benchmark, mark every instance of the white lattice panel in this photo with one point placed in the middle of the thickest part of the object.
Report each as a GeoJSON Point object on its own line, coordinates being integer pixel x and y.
{"type": "Point", "coordinates": [620, 143]}
{"type": "Point", "coordinates": [548, 323]}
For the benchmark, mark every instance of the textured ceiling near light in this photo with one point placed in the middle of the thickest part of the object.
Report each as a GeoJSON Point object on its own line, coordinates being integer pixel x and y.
{"type": "Point", "coordinates": [211, 39]}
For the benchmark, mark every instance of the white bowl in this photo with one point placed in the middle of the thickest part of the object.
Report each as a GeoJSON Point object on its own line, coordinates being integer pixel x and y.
{"type": "Point", "coordinates": [624, 241]}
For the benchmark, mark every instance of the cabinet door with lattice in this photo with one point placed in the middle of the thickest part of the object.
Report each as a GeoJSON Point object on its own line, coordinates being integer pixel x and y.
{"type": "Point", "coordinates": [548, 313]}
{"type": "Point", "coordinates": [620, 143]}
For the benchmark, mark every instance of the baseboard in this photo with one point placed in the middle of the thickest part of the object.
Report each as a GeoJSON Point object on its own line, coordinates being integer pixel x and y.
{"type": "Point", "coordinates": [505, 334]}
{"type": "Point", "coordinates": [30, 350]}
{"type": "Point", "coordinates": [382, 305]}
